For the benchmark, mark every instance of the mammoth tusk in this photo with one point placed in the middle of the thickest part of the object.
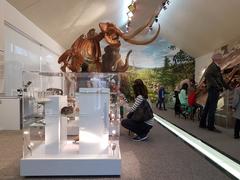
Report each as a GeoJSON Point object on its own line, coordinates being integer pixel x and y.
{"type": "Point", "coordinates": [137, 31]}
{"type": "Point", "coordinates": [117, 65]}
{"type": "Point", "coordinates": [114, 67]}
{"type": "Point", "coordinates": [137, 42]}
{"type": "Point", "coordinates": [125, 66]}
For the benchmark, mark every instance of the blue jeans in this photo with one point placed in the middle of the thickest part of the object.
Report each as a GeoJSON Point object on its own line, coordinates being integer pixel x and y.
{"type": "Point", "coordinates": [140, 128]}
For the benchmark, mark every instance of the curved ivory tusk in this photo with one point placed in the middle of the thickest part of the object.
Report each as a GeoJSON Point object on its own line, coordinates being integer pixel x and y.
{"type": "Point", "coordinates": [137, 42]}
{"type": "Point", "coordinates": [137, 31]}
{"type": "Point", "coordinates": [125, 66]}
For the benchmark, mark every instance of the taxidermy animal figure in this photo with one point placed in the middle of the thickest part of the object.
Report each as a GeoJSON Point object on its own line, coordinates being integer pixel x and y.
{"type": "Point", "coordinates": [87, 47]}
{"type": "Point", "coordinates": [111, 60]}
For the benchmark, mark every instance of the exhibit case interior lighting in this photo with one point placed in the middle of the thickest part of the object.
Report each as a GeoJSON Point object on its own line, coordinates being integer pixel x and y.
{"type": "Point", "coordinates": [72, 130]}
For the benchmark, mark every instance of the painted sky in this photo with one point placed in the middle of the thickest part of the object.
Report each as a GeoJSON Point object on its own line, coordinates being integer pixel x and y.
{"type": "Point", "coordinates": [148, 56]}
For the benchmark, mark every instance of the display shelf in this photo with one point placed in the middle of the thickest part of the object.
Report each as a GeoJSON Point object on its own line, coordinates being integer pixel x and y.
{"type": "Point", "coordinates": [49, 149]}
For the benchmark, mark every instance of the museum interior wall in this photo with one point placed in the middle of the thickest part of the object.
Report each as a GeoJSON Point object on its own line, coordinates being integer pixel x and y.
{"type": "Point", "coordinates": [1, 45]}
{"type": "Point", "coordinates": [27, 48]}
{"type": "Point", "coordinates": [201, 64]}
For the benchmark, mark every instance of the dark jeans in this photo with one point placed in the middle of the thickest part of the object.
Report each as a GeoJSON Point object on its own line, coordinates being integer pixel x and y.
{"type": "Point", "coordinates": [161, 102]}
{"type": "Point", "coordinates": [237, 128]}
{"type": "Point", "coordinates": [210, 109]}
{"type": "Point", "coordinates": [141, 129]}
{"type": "Point", "coordinates": [194, 109]}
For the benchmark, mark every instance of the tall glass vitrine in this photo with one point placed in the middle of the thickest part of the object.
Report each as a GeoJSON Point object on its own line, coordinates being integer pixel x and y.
{"type": "Point", "coordinates": [71, 124]}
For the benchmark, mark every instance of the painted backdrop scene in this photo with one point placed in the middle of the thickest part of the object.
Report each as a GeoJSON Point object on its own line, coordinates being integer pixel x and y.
{"type": "Point", "coordinates": [159, 64]}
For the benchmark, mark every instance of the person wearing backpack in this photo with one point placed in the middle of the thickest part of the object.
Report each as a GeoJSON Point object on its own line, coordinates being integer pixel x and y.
{"type": "Point", "coordinates": [140, 117]}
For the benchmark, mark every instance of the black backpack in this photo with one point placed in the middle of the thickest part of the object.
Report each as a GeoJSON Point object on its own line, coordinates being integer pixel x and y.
{"type": "Point", "coordinates": [142, 113]}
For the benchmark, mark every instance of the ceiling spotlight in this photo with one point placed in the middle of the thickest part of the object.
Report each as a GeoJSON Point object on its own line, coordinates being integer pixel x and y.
{"type": "Point", "coordinates": [150, 28]}
{"type": "Point", "coordinates": [132, 7]}
{"type": "Point", "coordinates": [130, 14]}
{"type": "Point", "coordinates": [164, 7]}
{"type": "Point", "coordinates": [156, 19]}
{"type": "Point", "coordinates": [168, 2]}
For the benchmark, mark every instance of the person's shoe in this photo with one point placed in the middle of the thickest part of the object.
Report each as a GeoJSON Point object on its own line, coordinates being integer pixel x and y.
{"type": "Point", "coordinates": [139, 138]}
{"type": "Point", "coordinates": [236, 137]}
{"type": "Point", "coordinates": [184, 115]}
{"type": "Point", "coordinates": [214, 130]}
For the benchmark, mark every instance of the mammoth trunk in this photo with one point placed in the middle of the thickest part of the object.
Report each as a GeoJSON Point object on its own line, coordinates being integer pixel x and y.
{"type": "Point", "coordinates": [119, 66]}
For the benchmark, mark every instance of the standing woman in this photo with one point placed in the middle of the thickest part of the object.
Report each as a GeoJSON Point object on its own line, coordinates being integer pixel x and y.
{"type": "Point", "coordinates": [140, 128]}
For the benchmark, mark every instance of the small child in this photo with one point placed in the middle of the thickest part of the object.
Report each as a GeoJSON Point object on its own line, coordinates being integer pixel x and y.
{"type": "Point", "coordinates": [236, 109]}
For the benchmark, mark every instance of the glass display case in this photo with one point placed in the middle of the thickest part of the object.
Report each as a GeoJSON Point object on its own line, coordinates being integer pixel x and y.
{"type": "Point", "coordinates": [71, 124]}
{"type": "Point", "coordinates": [224, 112]}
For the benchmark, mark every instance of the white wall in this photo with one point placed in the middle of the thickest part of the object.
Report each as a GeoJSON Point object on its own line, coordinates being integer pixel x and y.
{"type": "Point", "coordinates": [1, 26]}
{"type": "Point", "coordinates": [1, 47]}
{"type": "Point", "coordinates": [201, 63]}
{"type": "Point", "coordinates": [27, 48]}
{"type": "Point", "coordinates": [14, 17]}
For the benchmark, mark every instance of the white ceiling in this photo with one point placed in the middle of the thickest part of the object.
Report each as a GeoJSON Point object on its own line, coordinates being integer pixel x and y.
{"type": "Point", "coordinates": [201, 26]}
{"type": "Point", "coordinates": [66, 20]}
{"type": "Point", "coordinates": [196, 26]}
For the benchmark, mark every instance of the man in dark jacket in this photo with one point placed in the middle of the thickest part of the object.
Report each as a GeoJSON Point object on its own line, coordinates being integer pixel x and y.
{"type": "Point", "coordinates": [215, 85]}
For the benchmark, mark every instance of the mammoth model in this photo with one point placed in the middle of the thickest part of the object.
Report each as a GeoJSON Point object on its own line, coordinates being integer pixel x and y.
{"type": "Point", "coordinates": [111, 60]}
{"type": "Point", "coordinates": [87, 48]}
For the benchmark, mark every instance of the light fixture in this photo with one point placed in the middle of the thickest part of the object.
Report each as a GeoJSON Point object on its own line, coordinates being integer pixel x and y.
{"type": "Point", "coordinates": [113, 147]}
{"type": "Point", "coordinates": [132, 7]}
{"type": "Point", "coordinates": [167, 2]}
{"type": "Point", "coordinates": [129, 14]}
{"type": "Point", "coordinates": [150, 28]}
{"type": "Point", "coordinates": [215, 156]}
{"type": "Point", "coordinates": [29, 147]}
{"type": "Point", "coordinates": [114, 132]}
{"type": "Point", "coordinates": [156, 18]}
{"type": "Point", "coordinates": [25, 132]}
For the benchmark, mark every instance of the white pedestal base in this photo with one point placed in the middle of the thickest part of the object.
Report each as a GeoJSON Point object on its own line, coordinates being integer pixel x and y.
{"type": "Point", "coordinates": [70, 167]}
{"type": "Point", "coordinates": [70, 163]}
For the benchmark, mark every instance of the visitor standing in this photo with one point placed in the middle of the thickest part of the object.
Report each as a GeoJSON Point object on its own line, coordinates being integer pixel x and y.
{"type": "Point", "coordinates": [215, 85]}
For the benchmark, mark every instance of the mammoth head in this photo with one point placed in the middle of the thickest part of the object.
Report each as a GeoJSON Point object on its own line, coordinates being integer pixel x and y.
{"type": "Point", "coordinates": [112, 34]}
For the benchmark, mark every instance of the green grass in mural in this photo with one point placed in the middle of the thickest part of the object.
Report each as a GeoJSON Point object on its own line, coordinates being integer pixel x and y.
{"type": "Point", "coordinates": [180, 67]}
